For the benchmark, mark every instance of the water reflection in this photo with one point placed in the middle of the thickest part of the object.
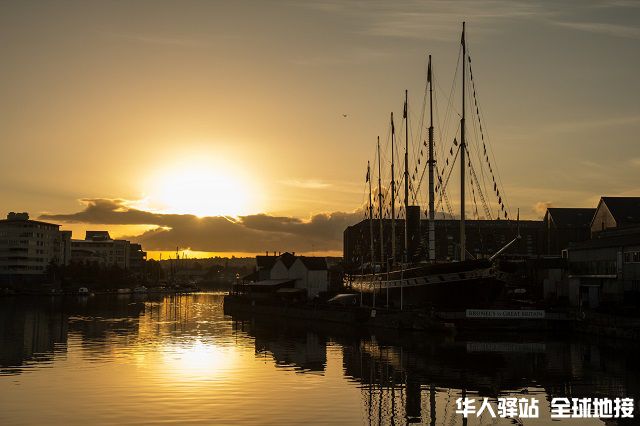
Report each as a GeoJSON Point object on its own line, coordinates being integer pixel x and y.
{"type": "Point", "coordinates": [109, 359]}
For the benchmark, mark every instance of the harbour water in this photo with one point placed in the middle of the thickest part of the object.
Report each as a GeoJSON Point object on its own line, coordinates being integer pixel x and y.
{"type": "Point", "coordinates": [145, 359]}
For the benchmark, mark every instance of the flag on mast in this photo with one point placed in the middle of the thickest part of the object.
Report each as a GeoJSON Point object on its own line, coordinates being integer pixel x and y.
{"type": "Point", "coordinates": [368, 171]}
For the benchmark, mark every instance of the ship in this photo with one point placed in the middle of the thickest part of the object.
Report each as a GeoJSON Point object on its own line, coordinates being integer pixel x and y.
{"type": "Point", "coordinates": [465, 283]}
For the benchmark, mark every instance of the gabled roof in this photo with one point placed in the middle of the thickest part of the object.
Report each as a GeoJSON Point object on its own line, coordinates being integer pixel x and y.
{"type": "Point", "coordinates": [625, 210]}
{"type": "Point", "coordinates": [287, 258]}
{"type": "Point", "coordinates": [571, 217]}
{"type": "Point", "coordinates": [314, 263]}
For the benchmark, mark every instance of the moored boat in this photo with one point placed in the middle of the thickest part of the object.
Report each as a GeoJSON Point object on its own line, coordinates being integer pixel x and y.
{"type": "Point", "coordinates": [449, 285]}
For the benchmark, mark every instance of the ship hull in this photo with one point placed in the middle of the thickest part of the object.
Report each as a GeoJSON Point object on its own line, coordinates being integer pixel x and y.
{"type": "Point", "coordinates": [449, 286]}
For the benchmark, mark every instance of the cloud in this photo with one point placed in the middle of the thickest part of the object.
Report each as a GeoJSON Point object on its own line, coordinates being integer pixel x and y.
{"type": "Point", "coordinates": [593, 123]}
{"type": "Point", "coordinates": [419, 19]}
{"type": "Point", "coordinates": [615, 30]}
{"type": "Point", "coordinates": [541, 207]}
{"type": "Point", "coordinates": [251, 233]}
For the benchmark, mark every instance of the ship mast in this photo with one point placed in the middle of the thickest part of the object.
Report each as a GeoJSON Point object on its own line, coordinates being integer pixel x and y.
{"type": "Point", "coordinates": [370, 215]}
{"type": "Point", "coordinates": [406, 177]}
{"type": "Point", "coordinates": [380, 205]}
{"type": "Point", "coordinates": [393, 193]}
{"type": "Point", "coordinates": [432, 213]}
{"type": "Point", "coordinates": [463, 147]}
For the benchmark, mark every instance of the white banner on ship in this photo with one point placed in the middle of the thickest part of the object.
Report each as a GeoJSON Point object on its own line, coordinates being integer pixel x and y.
{"type": "Point", "coordinates": [505, 313]}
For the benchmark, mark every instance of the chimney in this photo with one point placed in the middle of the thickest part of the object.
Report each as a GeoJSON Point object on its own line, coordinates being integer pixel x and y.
{"type": "Point", "coordinates": [266, 253]}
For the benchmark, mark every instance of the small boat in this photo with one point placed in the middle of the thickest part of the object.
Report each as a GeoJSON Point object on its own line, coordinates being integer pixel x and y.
{"type": "Point", "coordinates": [345, 299]}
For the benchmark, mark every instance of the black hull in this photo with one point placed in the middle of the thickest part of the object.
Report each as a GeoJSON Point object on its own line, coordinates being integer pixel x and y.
{"type": "Point", "coordinates": [450, 296]}
{"type": "Point", "coordinates": [446, 286]}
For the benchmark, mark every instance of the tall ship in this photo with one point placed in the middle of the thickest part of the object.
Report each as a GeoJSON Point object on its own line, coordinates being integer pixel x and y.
{"type": "Point", "coordinates": [411, 276]}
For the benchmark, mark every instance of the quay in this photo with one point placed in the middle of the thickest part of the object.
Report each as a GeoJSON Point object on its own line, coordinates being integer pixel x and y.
{"type": "Point", "coordinates": [415, 319]}
{"type": "Point", "coordinates": [411, 319]}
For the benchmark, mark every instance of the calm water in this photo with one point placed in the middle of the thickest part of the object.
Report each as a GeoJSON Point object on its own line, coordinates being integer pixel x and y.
{"type": "Point", "coordinates": [180, 359]}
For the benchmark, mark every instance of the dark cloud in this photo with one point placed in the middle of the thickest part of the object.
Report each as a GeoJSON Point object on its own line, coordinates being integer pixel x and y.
{"type": "Point", "coordinates": [252, 233]}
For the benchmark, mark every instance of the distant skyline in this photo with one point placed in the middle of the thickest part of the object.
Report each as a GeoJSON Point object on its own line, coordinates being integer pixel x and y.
{"type": "Point", "coordinates": [240, 127]}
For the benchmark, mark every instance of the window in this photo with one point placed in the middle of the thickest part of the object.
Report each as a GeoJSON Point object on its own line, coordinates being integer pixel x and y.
{"type": "Point", "coordinates": [632, 257]}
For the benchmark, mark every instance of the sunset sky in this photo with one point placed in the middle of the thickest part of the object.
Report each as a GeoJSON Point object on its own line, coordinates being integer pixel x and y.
{"type": "Point", "coordinates": [220, 127]}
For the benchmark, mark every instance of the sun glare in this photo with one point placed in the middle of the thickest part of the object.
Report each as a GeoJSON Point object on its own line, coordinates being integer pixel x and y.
{"type": "Point", "coordinates": [201, 191]}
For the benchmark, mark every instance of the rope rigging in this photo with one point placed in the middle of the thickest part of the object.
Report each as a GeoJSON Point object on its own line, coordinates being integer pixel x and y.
{"type": "Point", "coordinates": [479, 179]}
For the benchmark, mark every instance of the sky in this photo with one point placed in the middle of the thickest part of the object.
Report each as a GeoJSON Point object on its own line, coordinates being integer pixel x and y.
{"type": "Point", "coordinates": [239, 127]}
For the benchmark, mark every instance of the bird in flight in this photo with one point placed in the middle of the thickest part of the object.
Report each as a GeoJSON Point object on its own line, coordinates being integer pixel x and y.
{"type": "Point", "coordinates": [344, 115]}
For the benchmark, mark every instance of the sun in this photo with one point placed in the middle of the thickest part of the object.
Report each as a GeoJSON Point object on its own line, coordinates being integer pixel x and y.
{"type": "Point", "coordinates": [201, 190]}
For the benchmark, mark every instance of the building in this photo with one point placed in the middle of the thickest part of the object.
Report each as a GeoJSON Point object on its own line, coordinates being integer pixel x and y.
{"type": "Point", "coordinates": [263, 266]}
{"type": "Point", "coordinates": [137, 258]}
{"type": "Point", "coordinates": [483, 238]}
{"type": "Point", "coordinates": [286, 272]}
{"type": "Point", "coordinates": [566, 225]}
{"type": "Point", "coordinates": [28, 247]}
{"type": "Point", "coordinates": [616, 212]}
{"type": "Point", "coordinates": [605, 270]}
{"type": "Point", "coordinates": [99, 247]}
{"type": "Point", "coordinates": [311, 274]}
{"type": "Point", "coordinates": [280, 268]}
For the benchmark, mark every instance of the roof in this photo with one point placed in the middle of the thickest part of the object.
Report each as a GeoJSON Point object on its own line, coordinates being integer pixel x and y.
{"type": "Point", "coordinates": [265, 262]}
{"type": "Point", "coordinates": [625, 210]}
{"type": "Point", "coordinates": [251, 277]}
{"type": "Point", "coordinates": [271, 283]}
{"type": "Point", "coordinates": [97, 236]}
{"type": "Point", "coordinates": [30, 221]}
{"type": "Point", "coordinates": [614, 238]}
{"type": "Point", "coordinates": [287, 258]}
{"type": "Point", "coordinates": [571, 217]}
{"type": "Point", "coordinates": [291, 290]}
{"type": "Point", "coordinates": [314, 263]}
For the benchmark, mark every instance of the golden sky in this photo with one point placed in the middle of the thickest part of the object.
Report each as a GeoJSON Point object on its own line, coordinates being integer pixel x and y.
{"type": "Point", "coordinates": [225, 110]}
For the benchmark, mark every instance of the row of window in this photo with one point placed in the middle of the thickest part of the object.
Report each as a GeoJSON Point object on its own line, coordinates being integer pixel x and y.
{"type": "Point", "coordinates": [632, 257]}
{"type": "Point", "coordinates": [22, 268]}
{"type": "Point", "coordinates": [596, 267]}
{"type": "Point", "coordinates": [24, 243]}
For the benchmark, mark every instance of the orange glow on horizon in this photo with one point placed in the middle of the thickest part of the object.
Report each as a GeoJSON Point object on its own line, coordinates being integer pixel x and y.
{"type": "Point", "coordinates": [193, 254]}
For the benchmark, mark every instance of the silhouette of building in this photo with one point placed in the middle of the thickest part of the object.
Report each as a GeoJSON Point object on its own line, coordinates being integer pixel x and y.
{"type": "Point", "coordinates": [27, 247]}
{"type": "Point", "coordinates": [605, 270]}
{"type": "Point", "coordinates": [306, 273]}
{"type": "Point", "coordinates": [311, 274]}
{"type": "Point", "coordinates": [566, 225]}
{"type": "Point", "coordinates": [263, 266]}
{"type": "Point", "coordinates": [99, 247]}
{"type": "Point", "coordinates": [137, 258]}
{"type": "Point", "coordinates": [616, 212]}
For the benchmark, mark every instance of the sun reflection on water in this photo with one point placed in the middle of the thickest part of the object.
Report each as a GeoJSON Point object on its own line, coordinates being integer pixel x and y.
{"type": "Point", "coordinates": [198, 360]}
